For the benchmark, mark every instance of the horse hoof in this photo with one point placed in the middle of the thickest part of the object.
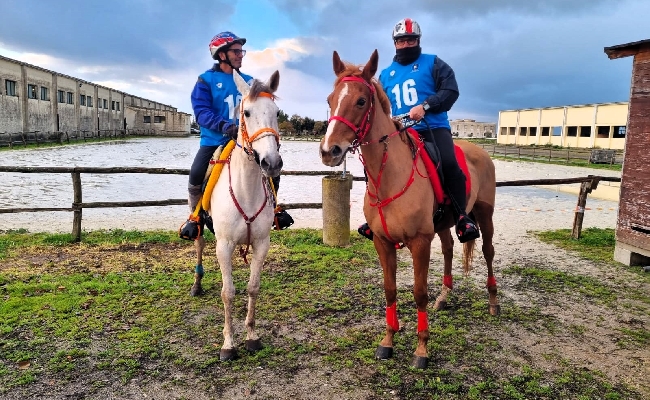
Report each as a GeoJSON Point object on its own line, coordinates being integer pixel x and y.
{"type": "Point", "coordinates": [383, 353]}
{"type": "Point", "coordinates": [441, 305]}
{"type": "Point", "coordinates": [420, 362]}
{"type": "Point", "coordinates": [494, 309]}
{"type": "Point", "coordinates": [227, 354]}
{"type": "Point", "coordinates": [196, 290]}
{"type": "Point", "coordinates": [253, 345]}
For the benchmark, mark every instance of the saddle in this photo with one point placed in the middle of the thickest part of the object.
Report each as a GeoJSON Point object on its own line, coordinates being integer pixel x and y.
{"type": "Point", "coordinates": [432, 163]}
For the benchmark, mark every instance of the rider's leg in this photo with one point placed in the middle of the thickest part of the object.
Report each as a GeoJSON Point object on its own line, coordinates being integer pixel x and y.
{"type": "Point", "coordinates": [454, 179]}
{"type": "Point", "coordinates": [193, 227]}
{"type": "Point", "coordinates": [364, 229]}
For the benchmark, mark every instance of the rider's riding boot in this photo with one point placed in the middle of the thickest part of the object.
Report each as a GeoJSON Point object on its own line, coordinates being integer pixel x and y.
{"type": "Point", "coordinates": [466, 229]}
{"type": "Point", "coordinates": [281, 219]}
{"type": "Point", "coordinates": [192, 228]}
{"type": "Point", "coordinates": [364, 230]}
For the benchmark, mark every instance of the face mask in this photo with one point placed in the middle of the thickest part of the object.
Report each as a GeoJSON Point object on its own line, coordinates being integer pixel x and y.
{"type": "Point", "coordinates": [407, 55]}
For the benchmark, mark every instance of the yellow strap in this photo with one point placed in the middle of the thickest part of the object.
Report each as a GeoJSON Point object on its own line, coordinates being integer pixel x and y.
{"type": "Point", "coordinates": [214, 176]}
{"type": "Point", "coordinates": [275, 196]}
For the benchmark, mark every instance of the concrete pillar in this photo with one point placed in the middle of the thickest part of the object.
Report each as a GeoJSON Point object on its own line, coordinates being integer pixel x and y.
{"type": "Point", "coordinates": [336, 209]}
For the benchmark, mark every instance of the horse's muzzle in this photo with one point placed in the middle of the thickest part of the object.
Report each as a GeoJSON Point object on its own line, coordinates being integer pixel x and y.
{"type": "Point", "coordinates": [333, 157]}
{"type": "Point", "coordinates": [271, 167]}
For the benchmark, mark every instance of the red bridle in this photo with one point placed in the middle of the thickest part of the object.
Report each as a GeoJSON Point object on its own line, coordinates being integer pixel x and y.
{"type": "Point", "coordinates": [363, 128]}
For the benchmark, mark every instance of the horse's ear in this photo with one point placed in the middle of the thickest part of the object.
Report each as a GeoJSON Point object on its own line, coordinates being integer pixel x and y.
{"type": "Point", "coordinates": [274, 81]}
{"type": "Point", "coordinates": [371, 67]}
{"type": "Point", "coordinates": [339, 66]}
{"type": "Point", "coordinates": [242, 86]}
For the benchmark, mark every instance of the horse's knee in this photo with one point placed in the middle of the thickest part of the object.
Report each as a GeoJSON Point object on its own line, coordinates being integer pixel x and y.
{"type": "Point", "coordinates": [227, 294]}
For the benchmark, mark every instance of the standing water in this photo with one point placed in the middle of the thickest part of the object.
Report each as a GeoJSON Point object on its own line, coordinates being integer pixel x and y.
{"type": "Point", "coordinates": [55, 190]}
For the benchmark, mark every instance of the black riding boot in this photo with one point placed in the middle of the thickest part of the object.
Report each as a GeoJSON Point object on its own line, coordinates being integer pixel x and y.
{"type": "Point", "coordinates": [466, 229]}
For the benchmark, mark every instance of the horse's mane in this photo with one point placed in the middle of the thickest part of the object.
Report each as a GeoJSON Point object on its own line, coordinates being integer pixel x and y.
{"type": "Point", "coordinates": [356, 70]}
{"type": "Point", "coordinates": [259, 87]}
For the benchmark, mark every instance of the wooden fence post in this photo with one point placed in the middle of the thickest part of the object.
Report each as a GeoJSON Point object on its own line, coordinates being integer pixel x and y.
{"type": "Point", "coordinates": [76, 204]}
{"type": "Point", "coordinates": [336, 209]}
{"type": "Point", "coordinates": [585, 189]}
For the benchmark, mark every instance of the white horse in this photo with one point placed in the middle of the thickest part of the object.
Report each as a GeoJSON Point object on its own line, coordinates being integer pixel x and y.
{"type": "Point", "coordinates": [242, 203]}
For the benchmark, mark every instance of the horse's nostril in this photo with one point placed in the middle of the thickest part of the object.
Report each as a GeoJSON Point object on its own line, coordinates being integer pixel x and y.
{"type": "Point", "coordinates": [336, 151]}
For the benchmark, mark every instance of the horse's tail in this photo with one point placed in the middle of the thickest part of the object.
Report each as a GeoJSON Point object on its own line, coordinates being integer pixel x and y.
{"type": "Point", "coordinates": [468, 255]}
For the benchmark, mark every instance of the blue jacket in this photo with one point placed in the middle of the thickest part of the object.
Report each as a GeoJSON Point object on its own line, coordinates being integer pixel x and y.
{"type": "Point", "coordinates": [429, 79]}
{"type": "Point", "coordinates": [214, 99]}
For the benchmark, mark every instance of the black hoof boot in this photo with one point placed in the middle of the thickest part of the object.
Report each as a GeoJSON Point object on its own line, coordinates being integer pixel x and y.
{"type": "Point", "coordinates": [383, 353]}
{"type": "Point", "coordinates": [228, 354]}
{"type": "Point", "coordinates": [364, 230]}
{"type": "Point", "coordinates": [196, 290]}
{"type": "Point", "coordinates": [420, 362]}
{"type": "Point", "coordinates": [253, 345]}
{"type": "Point", "coordinates": [466, 229]}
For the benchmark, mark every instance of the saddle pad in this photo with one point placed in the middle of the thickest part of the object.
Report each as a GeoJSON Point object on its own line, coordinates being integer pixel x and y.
{"type": "Point", "coordinates": [214, 175]}
{"type": "Point", "coordinates": [438, 191]}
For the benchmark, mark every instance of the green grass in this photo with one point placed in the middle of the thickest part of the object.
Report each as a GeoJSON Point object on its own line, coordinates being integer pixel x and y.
{"type": "Point", "coordinates": [594, 244]}
{"type": "Point", "coordinates": [320, 307]}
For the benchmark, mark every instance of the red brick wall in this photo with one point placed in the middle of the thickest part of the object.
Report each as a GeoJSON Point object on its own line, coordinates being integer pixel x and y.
{"type": "Point", "coordinates": [634, 206]}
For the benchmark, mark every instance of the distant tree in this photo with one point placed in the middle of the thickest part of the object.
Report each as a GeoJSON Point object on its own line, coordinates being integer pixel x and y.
{"type": "Point", "coordinates": [297, 122]}
{"type": "Point", "coordinates": [308, 124]}
{"type": "Point", "coordinates": [488, 134]}
{"type": "Point", "coordinates": [285, 126]}
{"type": "Point", "coordinates": [282, 116]}
{"type": "Point", "coordinates": [320, 127]}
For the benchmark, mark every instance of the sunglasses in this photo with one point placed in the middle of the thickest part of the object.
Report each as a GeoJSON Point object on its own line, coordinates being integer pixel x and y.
{"type": "Point", "coordinates": [238, 52]}
{"type": "Point", "coordinates": [406, 40]}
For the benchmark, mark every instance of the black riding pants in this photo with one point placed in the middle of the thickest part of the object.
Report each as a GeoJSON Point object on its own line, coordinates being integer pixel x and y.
{"type": "Point", "coordinates": [454, 178]}
{"type": "Point", "coordinates": [200, 165]}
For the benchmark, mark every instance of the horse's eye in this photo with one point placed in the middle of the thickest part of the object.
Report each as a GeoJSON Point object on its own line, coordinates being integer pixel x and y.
{"type": "Point", "coordinates": [247, 113]}
{"type": "Point", "coordinates": [361, 102]}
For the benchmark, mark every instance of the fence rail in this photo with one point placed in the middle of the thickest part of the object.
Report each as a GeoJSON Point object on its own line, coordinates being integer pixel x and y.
{"type": "Point", "coordinates": [545, 153]}
{"type": "Point", "coordinates": [588, 184]}
{"type": "Point", "coordinates": [14, 139]}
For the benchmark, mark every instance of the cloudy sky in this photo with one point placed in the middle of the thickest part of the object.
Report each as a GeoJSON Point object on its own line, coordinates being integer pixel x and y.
{"type": "Point", "coordinates": [507, 54]}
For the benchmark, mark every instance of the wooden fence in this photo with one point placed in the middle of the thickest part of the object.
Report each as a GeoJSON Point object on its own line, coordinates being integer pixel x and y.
{"type": "Point", "coordinates": [547, 153]}
{"type": "Point", "coordinates": [588, 184]}
{"type": "Point", "coordinates": [37, 138]}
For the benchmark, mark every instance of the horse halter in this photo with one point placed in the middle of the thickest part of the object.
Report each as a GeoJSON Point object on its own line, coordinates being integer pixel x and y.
{"type": "Point", "coordinates": [247, 140]}
{"type": "Point", "coordinates": [364, 127]}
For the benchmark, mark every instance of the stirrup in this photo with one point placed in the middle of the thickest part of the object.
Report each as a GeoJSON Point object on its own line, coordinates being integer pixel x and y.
{"type": "Point", "coordinates": [364, 230]}
{"type": "Point", "coordinates": [191, 229]}
{"type": "Point", "coordinates": [466, 229]}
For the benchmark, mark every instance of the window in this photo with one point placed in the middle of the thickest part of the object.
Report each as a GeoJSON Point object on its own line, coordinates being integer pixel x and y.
{"type": "Point", "coordinates": [113, 105]}
{"type": "Point", "coordinates": [504, 131]}
{"type": "Point", "coordinates": [557, 131]}
{"type": "Point", "coordinates": [70, 98]}
{"type": "Point", "coordinates": [546, 131]}
{"type": "Point", "coordinates": [31, 91]}
{"type": "Point", "coordinates": [45, 93]}
{"type": "Point", "coordinates": [89, 101]}
{"type": "Point", "coordinates": [158, 119]}
{"type": "Point", "coordinates": [61, 96]}
{"type": "Point", "coordinates": [585, 131]}
{"type": "Point", "coordinates": [619, 132]}
{"type": "Point", "coordinates": [117, 104]}
{"type": "Point", "coordinates": [147, 119]}
{"type": "Point", "coordinates": [572, 131]}
{"type": "Point", "coordinates": [533, 131]}
{"type": "Point", "coordinates": [10, 87]}
{"type": "Point", "coordinates": [512, 131]}
{"type": "Point", "coordinates": [82, 99]}
{"type": "Point", "coordinates": [523, 131]}
{"type": "Point", "coordinates": [105, 103]}
{"type": "Point", "coordinates": [602, 132]}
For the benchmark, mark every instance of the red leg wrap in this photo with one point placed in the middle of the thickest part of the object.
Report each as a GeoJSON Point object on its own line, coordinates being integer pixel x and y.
{"type": "Point", "coordinates": [491, 281]}
{"type": "Point", "coordinates": [423, 321]}
{"type": "Point", "coordinates": [448, 281]}
{"type": "Point", "coordinates": [391, 317]}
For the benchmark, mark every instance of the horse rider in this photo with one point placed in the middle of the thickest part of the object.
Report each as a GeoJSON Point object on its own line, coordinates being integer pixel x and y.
{"type": "Point", "coordinates": [214, 100]}
{"type": "Point", "coordinates": [425, 87]}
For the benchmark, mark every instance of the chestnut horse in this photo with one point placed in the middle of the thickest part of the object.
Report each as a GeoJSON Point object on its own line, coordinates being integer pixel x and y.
{"type": "Point", "coordinates": [400, 202]}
